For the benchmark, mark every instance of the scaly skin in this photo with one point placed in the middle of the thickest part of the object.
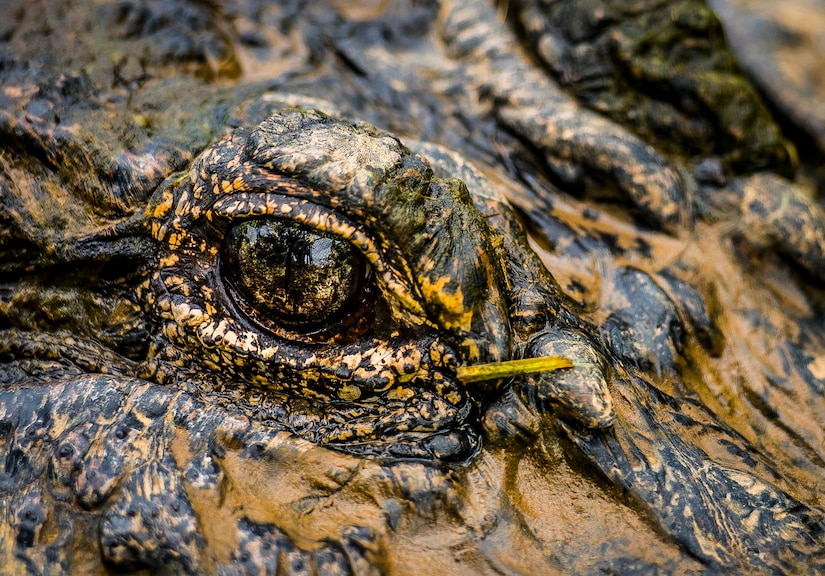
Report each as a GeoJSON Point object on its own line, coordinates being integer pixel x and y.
{"type": "Point", "coordinates": [153, 418]}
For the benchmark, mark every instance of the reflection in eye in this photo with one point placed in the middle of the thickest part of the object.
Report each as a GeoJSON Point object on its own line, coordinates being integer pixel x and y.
{"type": "Point", "coordinates": [292, 274]}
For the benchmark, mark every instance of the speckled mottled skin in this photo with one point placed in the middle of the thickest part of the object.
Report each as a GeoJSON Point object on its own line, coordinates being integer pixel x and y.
{"type": "Point", "coordinates": [152, 420]}
{"type": "Point", "coordinates": [335, 178]}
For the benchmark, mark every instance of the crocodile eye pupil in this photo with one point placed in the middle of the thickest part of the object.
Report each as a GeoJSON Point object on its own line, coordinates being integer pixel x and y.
{"type": "Point", "coordinates": [291, 273]}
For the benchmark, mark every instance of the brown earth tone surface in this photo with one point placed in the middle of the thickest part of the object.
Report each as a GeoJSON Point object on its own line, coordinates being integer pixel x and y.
{"type": "Point", "coordinates": [250, 251]}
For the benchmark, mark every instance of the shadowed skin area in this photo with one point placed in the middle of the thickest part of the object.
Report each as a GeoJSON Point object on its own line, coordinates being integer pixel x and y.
{"type": "Point", "coordinates": [251, 254]}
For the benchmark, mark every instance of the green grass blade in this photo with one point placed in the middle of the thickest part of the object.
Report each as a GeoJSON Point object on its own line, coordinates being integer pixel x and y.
{"type": "Point", "coordinates": [511, 368]}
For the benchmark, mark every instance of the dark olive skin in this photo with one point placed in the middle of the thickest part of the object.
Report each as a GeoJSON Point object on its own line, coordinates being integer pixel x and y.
{"type": "Point", "coordinates": [249, 253]}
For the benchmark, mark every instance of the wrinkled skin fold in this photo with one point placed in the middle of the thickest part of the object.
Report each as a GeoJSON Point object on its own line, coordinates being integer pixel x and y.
{"type": "Point", "coordinates": [504, 191]}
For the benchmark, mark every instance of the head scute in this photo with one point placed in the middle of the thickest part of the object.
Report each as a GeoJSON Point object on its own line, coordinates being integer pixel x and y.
{"type": "Point", "coordinates": [326, 153]}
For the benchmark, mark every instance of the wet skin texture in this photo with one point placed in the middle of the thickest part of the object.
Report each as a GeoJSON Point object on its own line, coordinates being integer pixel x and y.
{"type": "Point", "coordinates": [233, 314]}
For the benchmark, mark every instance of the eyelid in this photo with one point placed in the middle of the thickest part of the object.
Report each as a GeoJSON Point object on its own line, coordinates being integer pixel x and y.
{"type": "Point", "coordinates": [251, 205]}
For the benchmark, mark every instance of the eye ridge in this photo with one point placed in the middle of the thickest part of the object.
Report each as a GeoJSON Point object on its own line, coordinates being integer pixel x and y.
{"type": "Point", "coordinates": [297, 281]}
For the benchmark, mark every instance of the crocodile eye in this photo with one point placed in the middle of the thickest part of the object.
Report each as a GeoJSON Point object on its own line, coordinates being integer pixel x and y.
{"type": "Point", "coordinates": [293, 276]}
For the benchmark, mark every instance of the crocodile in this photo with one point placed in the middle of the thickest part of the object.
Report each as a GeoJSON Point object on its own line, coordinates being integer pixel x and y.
{"type": "Point", "coordinates": [418, 287]}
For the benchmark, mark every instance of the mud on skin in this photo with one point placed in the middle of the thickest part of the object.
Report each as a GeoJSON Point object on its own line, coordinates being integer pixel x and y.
{"type": "Point", "coordinates": [245, 250]}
